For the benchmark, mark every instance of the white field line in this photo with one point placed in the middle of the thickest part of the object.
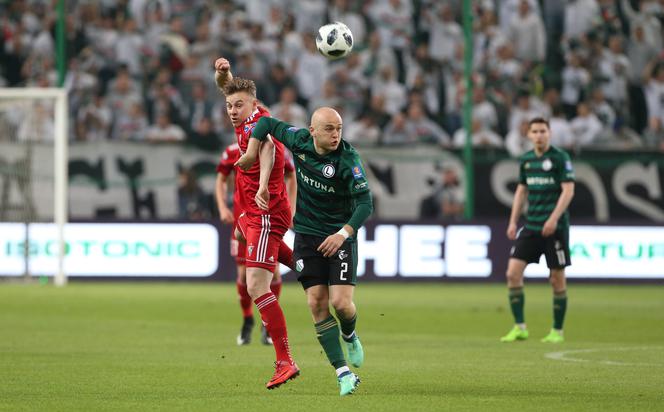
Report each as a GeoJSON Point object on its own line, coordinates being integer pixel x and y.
{"type": "Point", "coordinates": [570, 356]}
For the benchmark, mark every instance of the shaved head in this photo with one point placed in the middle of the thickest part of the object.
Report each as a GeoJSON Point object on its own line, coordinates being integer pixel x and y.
{"type": "Point", "coordinates": [325, 128]}
{"type": "Point", "coordinates": [325, 115]}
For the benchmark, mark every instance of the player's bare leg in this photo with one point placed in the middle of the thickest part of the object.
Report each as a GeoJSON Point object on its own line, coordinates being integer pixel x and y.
{"type": "Point", "coordinates": [258, 285]}
{"type": "Point", "coordinates": [515, 269]}
{"type": "Point", "coordinates": [559, 286]}
{"type": "Point", "coordinates": [328, 333]}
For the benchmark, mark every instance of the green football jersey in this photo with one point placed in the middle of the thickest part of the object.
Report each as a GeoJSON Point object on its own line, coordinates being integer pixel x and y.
{"type": "Point", "coordinates": [543, 177]}
{"type": "Point", "coordinates": [328, 186]}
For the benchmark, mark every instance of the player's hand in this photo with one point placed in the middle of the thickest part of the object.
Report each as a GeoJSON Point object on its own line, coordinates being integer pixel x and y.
{"type": "Point", "coordinates": [246, 161]}
{"type": "Point", "coordinates": [511, 231]}
{"type": "Point", "coordinates": [222, 65]}
{"type": "Point", "coordinates": [549, 227]}
{"type": "Point", "coordinates": [226, 216]}
{"type": "Point", "coordinates": [331, 244]}
{"type": "Point", "coordinates": [263, 198]}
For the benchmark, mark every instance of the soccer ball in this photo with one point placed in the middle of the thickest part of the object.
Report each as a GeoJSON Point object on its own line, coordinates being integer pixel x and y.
{"type": "Point", "coordinates": [334, 40]}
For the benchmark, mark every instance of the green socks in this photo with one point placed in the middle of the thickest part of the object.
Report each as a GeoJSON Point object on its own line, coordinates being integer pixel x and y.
{"type": "Point", "coordinates": [327, 332]}
{"type": "Point", "coordinates": [347, 327]}
{"type": "Point", "coordinates": [559, 309]}
{"type": "Point", "coordinates": [517, 301]}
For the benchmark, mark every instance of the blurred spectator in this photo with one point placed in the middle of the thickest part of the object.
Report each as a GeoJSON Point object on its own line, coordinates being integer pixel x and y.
{"type": "Point", "coordinates": [613, 70]}
{"type": "Point", "coordinates": [94, 120]}
{"type": "Point", "coordinates": [580, 18]}
{"type": "Point", "coordinates": [421, 129]}
{"type": "Point", "coordinates": [278, 79]}
{"type": "Point", "coordinates": [447, 200]}
{"type": "Point", "coordinates": [603, 111]}
{"type": "Point", "coordinates": [585, 126]}
{"type": "Point", "coordinates": [396, 132]}
{"type": "Point", "coordinates": [329, 98]}
{"type": "Point", "coordinates": [342, 10]}
{"type": "Point", "coordinates": [480, 137]}
{"type": "Point", "coordinates": [646, 18]}
{"type": "Point", "coordinates": [561, 130]}
{"type": "Point", "coordinates": [526, 33]}
{"type": "Point", "coordinates": [288, 110]}
{"type": "Point", "coordinates": [575, 79]}
{"type": "Point", "coordinates": [654, 92]}
{"type": "Point", "coordinates": [204, 137]}
{"type": "Point", "coordinates": [445, 34]}
{"type": "Point", "coordinates": [483, 110]}
{"type": "Point", "coordinates": [193, 203]}
{"type": "Point", "coordinates": [131, 125]}
{"type": "Point", "coordinates": [362, 132]}
{"type": "Point", "coordinates": [387, 86]}
{"type": "Point", "coordinates": [199, 107]}
{"type": "Point", "coordinates": [393, 20]}
{"type": "Point", "coordinates": [526, 108]}
{"type": "Point", "coordinates": [164, 131]}
{"type": "Point", "coordinates": [130, 47]}
{"type": "Point", "coordinates": [517, 142]}
{"type": "Point", "coordinates": [508, 11]}
{"type": "Point", "coordinates": [311, 68]}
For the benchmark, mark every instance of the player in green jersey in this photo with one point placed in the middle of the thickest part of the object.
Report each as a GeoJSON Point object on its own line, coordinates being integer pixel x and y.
{"type": "Point", "coordinates": [546, 180]}
{"type": "Point", "coordinates": [333, 201]}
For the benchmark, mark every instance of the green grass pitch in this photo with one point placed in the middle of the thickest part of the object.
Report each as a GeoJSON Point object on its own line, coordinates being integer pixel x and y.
{"type": "Point", "coordinates": [429, 347]}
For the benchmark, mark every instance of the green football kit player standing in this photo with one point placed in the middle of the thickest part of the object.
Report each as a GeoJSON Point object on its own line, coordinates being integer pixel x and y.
{"type": "Point", "coordinates": [333, 201]}
{"type": "Point", "coordinates": [546, 180]}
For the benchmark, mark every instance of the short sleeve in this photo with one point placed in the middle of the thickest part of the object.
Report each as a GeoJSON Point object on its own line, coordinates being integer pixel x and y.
{"type": "Point", "coordinates": [522, 174]}
{"type": "Point", "coordinates": [566, 168]}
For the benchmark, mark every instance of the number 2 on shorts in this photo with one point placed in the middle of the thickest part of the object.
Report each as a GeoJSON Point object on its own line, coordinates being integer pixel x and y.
{"type": "Point", "coordinates": [344, 269]}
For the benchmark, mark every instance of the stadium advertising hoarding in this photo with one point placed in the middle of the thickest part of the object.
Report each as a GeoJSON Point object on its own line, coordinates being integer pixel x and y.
{"type": "Point", "coordinates": [113, 249]}
{"type": "Point", "coordinates": [387, 251]}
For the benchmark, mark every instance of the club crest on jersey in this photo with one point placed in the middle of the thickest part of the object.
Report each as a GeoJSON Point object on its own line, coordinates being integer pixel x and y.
{"type": "Point", "coordinates": [250, 249]}
{"type": "Point", "coordinates": [299, 265]}
{"type": "Point", "coordinates": [547, 164]}
{"type": "Point", "coordinates": [357, 172]}
{"type": "Point", "coordinates": [328, 170]}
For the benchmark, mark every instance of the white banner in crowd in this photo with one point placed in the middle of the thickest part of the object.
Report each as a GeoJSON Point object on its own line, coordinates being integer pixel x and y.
{"type": "Point", "coordinates": [396, 251]}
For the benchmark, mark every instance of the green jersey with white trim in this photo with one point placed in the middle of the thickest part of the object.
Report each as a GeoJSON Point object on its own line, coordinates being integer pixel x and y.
{"type": "Point", "coordinates": [543, 177]}
{"type": "Point", "coordinates": [329, 187]}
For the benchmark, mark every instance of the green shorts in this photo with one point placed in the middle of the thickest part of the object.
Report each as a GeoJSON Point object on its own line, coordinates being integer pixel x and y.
{"type": "Point", "coordinates": [315, 269]}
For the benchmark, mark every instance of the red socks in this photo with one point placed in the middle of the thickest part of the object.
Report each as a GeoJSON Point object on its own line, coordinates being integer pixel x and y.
{"type": "Point", "coordinates": [275, 323]}
{"type": "Point", "coordinates": [286, 255]}
{"type": "Point", "coordinates": [245, 300]}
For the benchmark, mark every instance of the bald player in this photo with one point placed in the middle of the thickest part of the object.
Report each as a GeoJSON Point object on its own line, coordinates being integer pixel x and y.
{"type": "Point", "coordinates": [333, 201]}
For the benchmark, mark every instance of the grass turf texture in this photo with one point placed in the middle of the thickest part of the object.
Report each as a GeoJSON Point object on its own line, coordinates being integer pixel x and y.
{"type": "Point", "coordinates": [429, 347]}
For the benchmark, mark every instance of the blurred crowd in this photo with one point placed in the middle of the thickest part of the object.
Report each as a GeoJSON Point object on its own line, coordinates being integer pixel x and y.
{"type": "Point", "coordinates": [142, 69]}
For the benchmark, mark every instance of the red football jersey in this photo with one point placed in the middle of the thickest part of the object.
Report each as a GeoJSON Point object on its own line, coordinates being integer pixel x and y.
{"type": "Point", "coordinates": [248, 181]}
{"type": "Point", "coordinates": [225, 167]}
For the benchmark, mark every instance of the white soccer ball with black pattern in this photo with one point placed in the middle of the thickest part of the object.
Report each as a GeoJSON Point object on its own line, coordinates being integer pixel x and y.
{"type": "Point", "coordinates": [334, 40]}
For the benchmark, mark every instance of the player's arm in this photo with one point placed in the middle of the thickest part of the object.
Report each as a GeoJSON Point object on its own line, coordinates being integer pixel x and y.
{"type": "Point", "coordinates": [517, 208]}
{"type": "Point", "coordinates": [291, 188]}
{"type": "Point", "coordinates": [266, 151]}
{"type": "Point", "coordinates": [265, 126]}
{"type": "Point", "coordinates": [566, 195]}
{"type": "Point", "coordinates": [221, 193]}
{"type": "Point", "coordinates": [361, 212]}
{"type": "Point", "coordinates": [222, 73]}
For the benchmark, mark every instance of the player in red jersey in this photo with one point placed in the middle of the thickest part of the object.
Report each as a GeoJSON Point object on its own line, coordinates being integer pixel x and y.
{"type": "Point", "coordinates": [266, 216]}
{"type": "Point", "coordinates": [237, 248]}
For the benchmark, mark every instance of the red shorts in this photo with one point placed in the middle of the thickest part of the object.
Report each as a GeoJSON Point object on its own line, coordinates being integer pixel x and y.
{"type": "Point", "coordinates": [264, 234]}
{"type": "Point", "coordinates": [238, 249]}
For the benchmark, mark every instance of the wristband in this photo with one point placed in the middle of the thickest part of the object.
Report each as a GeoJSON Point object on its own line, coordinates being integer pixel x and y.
{"type": "Point", "coordinates": [343, 233]}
